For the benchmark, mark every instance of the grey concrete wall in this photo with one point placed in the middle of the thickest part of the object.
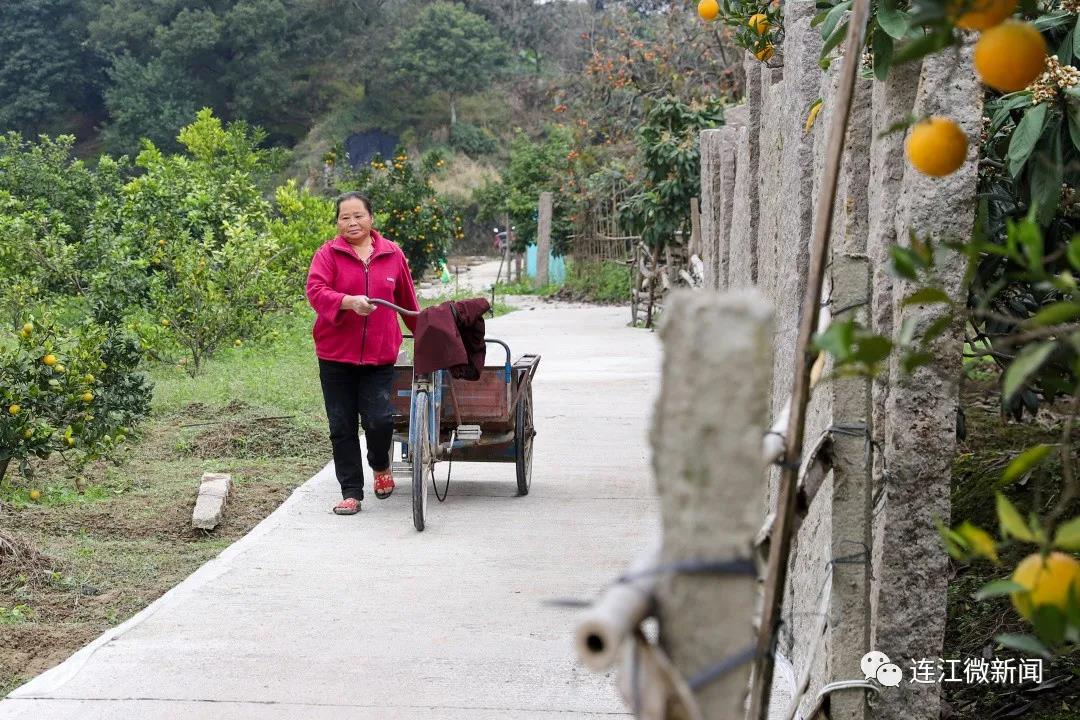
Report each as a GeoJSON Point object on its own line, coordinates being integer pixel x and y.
{"type": "Point", "coordinates": [764, 170]}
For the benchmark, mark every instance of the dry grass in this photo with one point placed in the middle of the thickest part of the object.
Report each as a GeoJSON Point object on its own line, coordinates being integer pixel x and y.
{"type": "Point", "coordinates": [462, 176]}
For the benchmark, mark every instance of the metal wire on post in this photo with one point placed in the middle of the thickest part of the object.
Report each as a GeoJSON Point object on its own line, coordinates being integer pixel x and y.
{"type": "Point", "coordinates": [780, 547]}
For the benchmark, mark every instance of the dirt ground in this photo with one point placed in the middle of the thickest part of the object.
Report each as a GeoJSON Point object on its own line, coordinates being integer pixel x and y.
{"type": "Point", "coordinates": [71, 567]}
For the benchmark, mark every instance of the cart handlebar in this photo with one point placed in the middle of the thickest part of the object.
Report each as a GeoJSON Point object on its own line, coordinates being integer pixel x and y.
{"type": "Point", "coordinates": [392, 306]}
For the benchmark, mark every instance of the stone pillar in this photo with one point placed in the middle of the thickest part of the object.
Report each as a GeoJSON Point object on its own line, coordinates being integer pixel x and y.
{"type": "Point", "coordinates": [708, 468]}
{"type": "Point", "coordinates": [743, 263]}
{"type": "Point", "coordinates": [892, 99]}
{"type": "Point", "coordinates": [910, 565]}
{"type": "Point", "coordinates": [543, 239]}
{"type": "Point", "coordinates": [709, 147]}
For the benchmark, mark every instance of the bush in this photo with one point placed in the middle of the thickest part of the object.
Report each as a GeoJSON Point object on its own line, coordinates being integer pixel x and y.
{"type": "Point", "coordinates": [304, 222]}
{"type": "Point", "coordinates": [76, 392]}
{"type": "Point", "coordinates": [407, 208]}
{"type": "Point", "coordinates": [201, 255]}
{"type": "Point", "coordinates": [472, 140]}
{"type": "Point", "coordinates": [605, 282]}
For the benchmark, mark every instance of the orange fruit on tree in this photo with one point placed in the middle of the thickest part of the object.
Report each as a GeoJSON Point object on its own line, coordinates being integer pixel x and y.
{"type": "Point", "coordinates": [759, 23]}
{"type": "Point", "coordinates": [1047, 581]}
{"type": "Point", "coordinates": [936, 147]}
{"type": "Point", "coordinates": [87, 396]}
{"type": "Point", "coordinates": [28, 328]}
{"type": "Point", "coordinates": [708, 10]}
{"type": "Point", "coordinates": [49, 359]}
{"type": "Point", "coordinates": [981, 14]}
{"type": "Point", "coordinates": [765, 53]}
{"type": "Point", "coordinates": [1009, 56]}
{"type": "Point", "coordinates": [13, 409]}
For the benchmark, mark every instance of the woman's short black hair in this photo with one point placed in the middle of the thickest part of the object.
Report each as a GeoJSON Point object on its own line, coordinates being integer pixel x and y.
{"type": "Point", "coordinates": [353, 195]}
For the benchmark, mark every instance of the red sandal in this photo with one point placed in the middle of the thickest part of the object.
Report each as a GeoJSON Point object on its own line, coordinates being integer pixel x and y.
{"type": "Point", "coordinates": [348, 506]}
{"type": "Point", "coordinates": [384, 484]}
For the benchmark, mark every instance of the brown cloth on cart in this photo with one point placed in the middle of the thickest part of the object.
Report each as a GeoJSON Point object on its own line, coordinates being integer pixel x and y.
{"type": "Point", "coordinates": [450, 336]}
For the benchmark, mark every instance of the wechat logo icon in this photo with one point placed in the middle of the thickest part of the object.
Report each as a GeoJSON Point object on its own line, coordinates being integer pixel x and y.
{"type": "Point", "coordinates": [876, 666]}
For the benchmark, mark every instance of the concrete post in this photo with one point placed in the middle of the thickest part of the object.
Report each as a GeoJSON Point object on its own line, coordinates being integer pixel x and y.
{"type": "Point", "coordinates": [543, 239]}
{"type": "Point", "coordinates": [707, 428]}
{"type": "Point", "coordinates": [910, 566]}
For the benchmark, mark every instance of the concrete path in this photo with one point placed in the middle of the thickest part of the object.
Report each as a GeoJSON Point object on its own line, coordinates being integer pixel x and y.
{"type": "Point", "coordinates": [472, 274]}
{"type": "Point", "coordinates": [319, 617]}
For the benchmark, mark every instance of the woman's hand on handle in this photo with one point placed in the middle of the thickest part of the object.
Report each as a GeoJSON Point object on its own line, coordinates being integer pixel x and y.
{"type": "Point", "coordinates": [359, 304]}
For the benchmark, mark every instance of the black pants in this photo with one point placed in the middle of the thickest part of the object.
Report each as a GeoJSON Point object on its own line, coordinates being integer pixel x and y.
{"type": "Point", "coordinates": [353, 392]}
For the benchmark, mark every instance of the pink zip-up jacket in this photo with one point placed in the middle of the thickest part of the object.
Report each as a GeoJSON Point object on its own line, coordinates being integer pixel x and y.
{"type": "Point", "coordinates": [342, 335]}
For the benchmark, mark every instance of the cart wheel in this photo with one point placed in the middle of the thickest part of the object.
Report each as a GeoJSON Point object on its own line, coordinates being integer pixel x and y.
{"type": "Point", "coordinates": [523, 442]}
{"type": "Point", "coordinates": [419, 454]}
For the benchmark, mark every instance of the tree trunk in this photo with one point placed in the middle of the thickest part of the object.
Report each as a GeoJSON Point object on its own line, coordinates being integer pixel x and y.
{"type": "Point", "coordinates": [453, 113]}
{"type": "Point", "coordinates": [3, 466]}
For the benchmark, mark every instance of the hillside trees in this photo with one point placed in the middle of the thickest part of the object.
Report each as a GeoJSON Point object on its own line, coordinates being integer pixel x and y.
{"type": "Point", "coordinates": [447, 50]}
{"type": "Point", "coordinates": [45, 72]}
{"type": "Point", "coordinates": [273, 63]}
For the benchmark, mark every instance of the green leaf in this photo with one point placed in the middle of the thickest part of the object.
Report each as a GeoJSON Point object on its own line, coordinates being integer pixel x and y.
{"type": "Point", "coordinates": [871, 349]}
{"type": "Point", "coordinates": [837, 340]}
{"type": "Point", "coordinates": [914, 360]}
{"type": "Point", "coordinates": [955, 545]}
{"type": "Point", "coordinates": [1073, 252]}
{"type": "Point", "coordinates": [1065, 50]}
{"type": "Point", "coordinates": [834, 39]}
{"type": "Point", "coordinates": [1072, 115]}
{"type": "Point", "coordinates": [1067, 536]}
{"type": "Point", "coordinates": [1025, 136]}
{"type": "Point", "coordinates": [1024, 643]}
{"type": "Point", "coordinates": [923, 46]}
{"type": "Point", "coordinates": [832, 19]}
{"type": "Point", "coordinates": [936, 328]}
{"type": "Point", "coordinates": [1059, 312]}
{"type": "Point", "coordinates": [1047, 172]}
{"type": "Point", "coordinates": [1052, 20]}
{"type": "Point", "coordinates": [1049, 623]}
{"type": "Point", "coordinates": [1012, 523]}
{"type": "Point", "coordinates": [1024, 366]}
{"type": "Point", "coordinates": [997, 588]}
{"type": "Point", "coordinates": [899, 125]}
{"type": "Point", "coordinates": [927, 296]}
{"type": "Point", "coordinates": [882, 48]}
{"type": "Point", "coordinates": [979, 541]}
{"type": "Point", "coordinates": [906, 262]}
{"type": "Point", "coordinates": [1076, 38]}
{"type": "Point", "coordinates": [894, 22]}
{"type": "Point", "coordinates": [1025, 461]}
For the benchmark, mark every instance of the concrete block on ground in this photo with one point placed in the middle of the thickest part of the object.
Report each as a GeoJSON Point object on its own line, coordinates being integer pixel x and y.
{"type": "Point", "coordinates": [210, 504]}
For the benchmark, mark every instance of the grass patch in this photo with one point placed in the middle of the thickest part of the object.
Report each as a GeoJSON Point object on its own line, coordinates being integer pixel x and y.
{"type": "Point", "coordinates": [99, 545]}
{"type": "Point", "coordinates": [971, 626]}
{"type": "Point", "coordinates": [526, 286]}
{"type": "Point", "coordinates": [499, 308]}
{"type": "Point", "coordinates": [605, 282]}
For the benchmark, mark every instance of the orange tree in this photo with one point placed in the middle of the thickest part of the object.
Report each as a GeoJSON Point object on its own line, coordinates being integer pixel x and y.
{"type": "Point", "coordinates": [1021, 308]}
{"type": "Point", "coordinates": [407, 208]}
{"type": "Point", "coordinates": [76, 392]}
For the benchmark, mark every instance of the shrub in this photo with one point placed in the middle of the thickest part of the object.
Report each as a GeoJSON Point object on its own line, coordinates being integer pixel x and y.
{"type": "Point", "coordinates": [472, 140]}
{"type": "Point", "coordinates": [407, 208]}
{"type": "Point", "coordinates": [76, 392]}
